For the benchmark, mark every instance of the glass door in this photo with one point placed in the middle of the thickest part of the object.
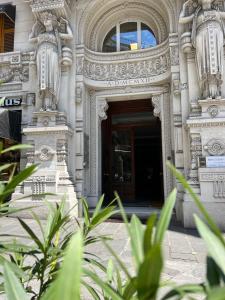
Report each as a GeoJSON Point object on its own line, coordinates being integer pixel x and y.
{"type": "Point", "coordinates": [122, 163]}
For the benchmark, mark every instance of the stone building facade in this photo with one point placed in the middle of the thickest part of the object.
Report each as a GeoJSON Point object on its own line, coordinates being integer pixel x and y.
{"type": "Point", "coordinates": [105, 105]}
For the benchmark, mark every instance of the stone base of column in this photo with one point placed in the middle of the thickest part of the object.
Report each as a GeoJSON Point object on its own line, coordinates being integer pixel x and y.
{"type": "Point", "coordinates": [49, 134]}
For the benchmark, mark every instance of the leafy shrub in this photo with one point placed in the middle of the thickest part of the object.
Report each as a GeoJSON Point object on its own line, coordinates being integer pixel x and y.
{"type": "Point", "coordinates": [62, 267]}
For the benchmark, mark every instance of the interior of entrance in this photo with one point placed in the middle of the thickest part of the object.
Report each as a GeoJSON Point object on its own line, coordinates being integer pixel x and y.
{"type": "Point", "coordinates": [132, 154]}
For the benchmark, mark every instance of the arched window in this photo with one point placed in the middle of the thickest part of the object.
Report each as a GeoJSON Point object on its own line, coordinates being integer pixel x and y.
{"type": "Point", "coordinates": [129, 36]}
{"type": "Point", "coordinates": [7, 27]}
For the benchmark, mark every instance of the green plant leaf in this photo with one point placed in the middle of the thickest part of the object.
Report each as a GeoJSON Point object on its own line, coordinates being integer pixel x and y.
{"type": "Point", "coordinates": [102, 216]}
{"type": "Point", "coordinates": [23, 175]}
{"type": "Point", "coordinates": [32, 235]}
{"type": "Point", "coordinates": [67, 284]}
{"type": "Point", "coordinates": [215, 248]}
{"type": "Point", "coordinates": [13, 287]}
{"type": "Point", "coordinates": [148, 279]}
{"type": "Point", "coordinates": [5, 167]}
{"type": "Point", "coordinates": [91, 290]}
{"type": "Point", "coordinates": [110, 271]}
{"type": "Point", "coordinates": [217, 294]}
{"type": "Point", "coordinates": [99, 206]}
{"type": "Point", "coordinates": [136, 239]}
{"type": "Point", "coordinates": [148, 235]}
{"type": "Point", "coordinates": [186, 289]}
{"type": "Point", "coordinates": [87, 218]}
{"type": "Point", "coordinates": [130, 289]}
{"type": "Point", "coordinates": [197, 201]}
{"type": "Point", "coordinates": [16, 148]}
{"type": "Point", "coordinates": [214, 273]}
{"type": "Point", "coordinates": [165, 217]}
{"type": "Point", "coordinates": [108, 290]}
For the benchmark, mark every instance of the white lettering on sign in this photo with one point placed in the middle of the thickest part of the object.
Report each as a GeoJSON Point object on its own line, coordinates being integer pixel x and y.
{"type": "Point", "coordinates": [10, 101]}
{"type": "Point", "coordinates": [215, 162]}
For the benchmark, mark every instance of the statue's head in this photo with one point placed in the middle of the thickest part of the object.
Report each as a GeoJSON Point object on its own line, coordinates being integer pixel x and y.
{"type": "Point", "coordinates": [48, 20]}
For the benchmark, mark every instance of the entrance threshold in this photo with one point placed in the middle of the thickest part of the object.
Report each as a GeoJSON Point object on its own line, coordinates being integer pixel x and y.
{"type": "Point", "coordinates": [142, 212]}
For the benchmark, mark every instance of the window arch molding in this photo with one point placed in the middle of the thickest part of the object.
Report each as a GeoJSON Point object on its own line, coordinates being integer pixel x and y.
{"type": "Point", "coordinates": [118, 25]}
{"type": "Point", "coordinates": [97, 30]}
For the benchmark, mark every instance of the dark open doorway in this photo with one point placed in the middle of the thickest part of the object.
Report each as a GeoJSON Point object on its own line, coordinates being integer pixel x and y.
{"type": "Point", "coordinates": [132, 154]}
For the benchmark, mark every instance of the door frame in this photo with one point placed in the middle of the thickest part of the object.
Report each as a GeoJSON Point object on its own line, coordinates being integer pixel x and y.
{"type": "Point", "coordinates": [98, 113]}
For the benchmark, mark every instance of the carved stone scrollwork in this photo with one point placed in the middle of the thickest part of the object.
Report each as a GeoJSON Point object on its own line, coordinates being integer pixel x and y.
{"type": "Point", "coordinates": [156, 101]}
{"type": "Point", "coordinates": [102, 109]}
{"type": "Point", "coordinates": [215, 147]}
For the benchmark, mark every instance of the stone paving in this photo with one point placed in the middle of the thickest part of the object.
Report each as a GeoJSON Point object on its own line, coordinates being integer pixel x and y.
{"type": "Point", "coordinates": [185, 252]}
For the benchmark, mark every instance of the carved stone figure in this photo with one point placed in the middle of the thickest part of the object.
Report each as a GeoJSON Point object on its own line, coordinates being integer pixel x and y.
{"type": "Point", "coordinates": [208, 39]}
{"type": "Point", "coordinates": [46, 33]}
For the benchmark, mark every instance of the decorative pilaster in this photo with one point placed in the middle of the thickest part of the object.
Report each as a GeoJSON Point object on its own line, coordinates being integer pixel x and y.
{"type": "Point", "coordinates": [196, 153]}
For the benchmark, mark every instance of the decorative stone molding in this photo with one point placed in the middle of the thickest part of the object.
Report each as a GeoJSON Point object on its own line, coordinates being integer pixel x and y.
{"type": "Point", "coordinates": [62, 151]}
{"type": "Point", "coordinates": [14, 67]}
{"type": "Point", "coordinates": [156, 101]}
{"type": "Point", "coordinates": [215, 147]}
{"type": "Point", "coordinates": [102, 108]}
{"type": "Point", "coordinates": [45, 154]}
{"type": "Point", "coordinates": [61, 7]}
{"type": "Point", "coordinates": [127, 70]}
{"type": "Point", "coordinates": [213, 111]}
{"type": "Point", "coordinates": [219, 189]}
{"type": "Point", "coordinates": [174, 55]}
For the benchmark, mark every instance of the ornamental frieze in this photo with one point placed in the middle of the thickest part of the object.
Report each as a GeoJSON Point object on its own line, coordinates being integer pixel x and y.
{"type": "Point", "coordinates": [14, 67]}
{"type": "Point", "coordinates": [127, 70]}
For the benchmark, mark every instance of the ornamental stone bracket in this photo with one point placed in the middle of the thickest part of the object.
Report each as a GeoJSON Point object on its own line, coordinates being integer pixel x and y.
{"type": "Point", "coordinates": [156, 101]}
{"type": "Point", "coordinates": [102, 107]}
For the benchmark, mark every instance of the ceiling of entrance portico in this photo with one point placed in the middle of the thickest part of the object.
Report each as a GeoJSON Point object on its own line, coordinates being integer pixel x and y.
{"type": "Point", "coordinates": [96, 17]}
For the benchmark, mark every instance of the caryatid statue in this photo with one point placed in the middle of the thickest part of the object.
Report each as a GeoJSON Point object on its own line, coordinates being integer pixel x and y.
{"type": "Point", "coordinates": [208, 40]}
{"type": "Point", "coordinates": [48, 56]}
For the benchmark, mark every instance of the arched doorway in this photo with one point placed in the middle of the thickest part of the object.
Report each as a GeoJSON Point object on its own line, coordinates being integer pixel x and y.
{"type": "Point", "coordinates": [132, 154]}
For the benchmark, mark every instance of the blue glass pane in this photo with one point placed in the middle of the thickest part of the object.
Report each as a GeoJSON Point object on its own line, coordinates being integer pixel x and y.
{"type": "Point", "coordinates": [147, 37]}
{"type": "Point", "coordinates": [109, 44]}
{"type": "Point", "coordinates": [128, 35]}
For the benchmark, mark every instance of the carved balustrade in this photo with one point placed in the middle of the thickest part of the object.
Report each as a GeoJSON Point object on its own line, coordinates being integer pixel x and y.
{"type": "Point", "coordinates": [125, 68]}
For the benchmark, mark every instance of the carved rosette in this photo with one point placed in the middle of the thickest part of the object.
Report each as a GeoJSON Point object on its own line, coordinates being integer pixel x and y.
{"type": "Point", "coordinates": [45, 154]}
{"type": "Point", "coordinates": [215, 147]}
{"type": "Point", "coordinates": [213, 111]}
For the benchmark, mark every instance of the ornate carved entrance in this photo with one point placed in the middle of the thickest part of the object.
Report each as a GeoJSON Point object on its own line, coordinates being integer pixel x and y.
{"type": "Point", "coordinates": [98, 112]}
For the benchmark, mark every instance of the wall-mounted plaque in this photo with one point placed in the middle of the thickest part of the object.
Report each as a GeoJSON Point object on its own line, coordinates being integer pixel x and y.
{"type": "Point", "coordinates": [215, 162]}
